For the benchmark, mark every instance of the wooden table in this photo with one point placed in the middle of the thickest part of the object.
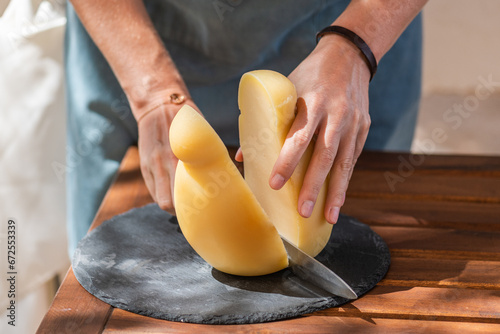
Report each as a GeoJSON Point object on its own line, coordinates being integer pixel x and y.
{"type": "Point", "coordinates": [440, 216]}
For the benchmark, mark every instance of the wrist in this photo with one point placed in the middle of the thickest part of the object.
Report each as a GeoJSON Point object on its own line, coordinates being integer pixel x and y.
{"type": "Point", "coordinates": [164, 104]}
{"type": "Point", "coordinates": [333, 46]}
{"type": "Point", "coordinates": [162, 85]}
{"type": "Point", "coordinates": [149, 78]}
{"type": "Point", "coordinates": [379, 22]}
{"type": "Point", "coordinates": [357, 41]}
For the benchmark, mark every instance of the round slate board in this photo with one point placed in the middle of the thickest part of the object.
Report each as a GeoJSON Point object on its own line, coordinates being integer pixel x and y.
{"type": "Point", "coordinates": [140, 262]}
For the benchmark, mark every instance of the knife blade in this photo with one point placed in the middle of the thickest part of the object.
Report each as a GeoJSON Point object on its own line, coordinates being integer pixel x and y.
{"type": "Point", "coordinates": [311, 270]}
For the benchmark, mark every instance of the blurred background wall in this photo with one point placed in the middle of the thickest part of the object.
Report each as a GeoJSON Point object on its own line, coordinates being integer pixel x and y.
{"type": "Point", "coordinates": [461, 52]}
{"type": "Point", "coordinates": [32, 139]}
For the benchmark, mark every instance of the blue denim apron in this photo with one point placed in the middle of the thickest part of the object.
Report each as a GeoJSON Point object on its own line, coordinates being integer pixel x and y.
{"type": "Point", "coordinates": [213, 43]}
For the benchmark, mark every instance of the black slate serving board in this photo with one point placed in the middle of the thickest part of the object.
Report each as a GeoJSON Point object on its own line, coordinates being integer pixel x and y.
{"type": "Point", "coordinates": [140, 262]}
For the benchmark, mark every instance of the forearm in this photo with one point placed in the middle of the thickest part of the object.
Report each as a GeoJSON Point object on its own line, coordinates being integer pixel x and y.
{"type": "Point", "coordinates": [333, 84]}
{"type": "Point", "coordinates": [124, 33]}
{"type": "Point", "coordinates": [379, 22]}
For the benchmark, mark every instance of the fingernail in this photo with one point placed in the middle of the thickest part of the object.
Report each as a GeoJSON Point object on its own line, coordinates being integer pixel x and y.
{"type": "Point", "coordinates": [333, 214]}
{"type": "Point", "coordinates": [277, 181]}
{"type": "Point", "coordinates": [343, 199]}
{"type": "Point", "coordinates": [306, 209]}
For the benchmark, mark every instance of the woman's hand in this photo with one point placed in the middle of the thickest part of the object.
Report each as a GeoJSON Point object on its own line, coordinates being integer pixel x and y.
{"type": "Point", "coordinates": [133, 48]}
{"type": "Point", "coordinates": [158, 163]}
{"type": "Point", "coordinates": [332, 110]}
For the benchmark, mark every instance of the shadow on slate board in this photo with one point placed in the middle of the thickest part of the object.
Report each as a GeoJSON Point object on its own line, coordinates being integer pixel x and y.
{"type": "Point", "coordinates": [139, 261]}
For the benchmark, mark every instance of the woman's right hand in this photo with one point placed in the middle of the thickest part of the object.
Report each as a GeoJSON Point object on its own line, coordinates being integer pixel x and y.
{"type": "Point", "coordinates": [158, 163]}
{"type": "Point", "coordinates": [124, 33]}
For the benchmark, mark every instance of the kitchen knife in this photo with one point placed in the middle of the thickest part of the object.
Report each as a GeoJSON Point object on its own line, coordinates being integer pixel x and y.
{"type": "Point", "coordinates": [311, 270]}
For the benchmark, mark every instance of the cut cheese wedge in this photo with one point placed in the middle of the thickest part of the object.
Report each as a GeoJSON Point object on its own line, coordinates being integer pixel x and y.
{"type": "Point", "coordinates": [217, 212]}
{"type": "Point", "coordinates": [267, 102]}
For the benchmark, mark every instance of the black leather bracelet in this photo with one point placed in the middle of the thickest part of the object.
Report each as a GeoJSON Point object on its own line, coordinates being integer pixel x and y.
{"type": "Point", "coordinates": [356, 40]}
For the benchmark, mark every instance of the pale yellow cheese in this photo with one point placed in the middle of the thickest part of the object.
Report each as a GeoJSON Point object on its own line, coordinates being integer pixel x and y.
{"type": "Point", "coordinates": [267, 102]}
{"type": "Point", "coordinates": [217, 212]}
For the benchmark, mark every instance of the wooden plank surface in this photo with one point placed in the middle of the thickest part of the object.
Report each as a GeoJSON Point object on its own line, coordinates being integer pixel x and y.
{"type": "Point", "coordinates": [449, 240]}
{"type": "Point", "coordinates": [126, 322]}
{"type": "Point", "coordinates": [422, 303]}
{"type": "Point", "coordinates": [432, 272]}
{"type": "Point", "coordinates": [441, 225]}
{"type": "Point", "coordinates": [432, 178]}
{"type": "Point", "coordinates": [424, 213]}
{"type": "Point", "coordinates": [429, 164]}
{"type": "Point", "coordinates": [73, 309]}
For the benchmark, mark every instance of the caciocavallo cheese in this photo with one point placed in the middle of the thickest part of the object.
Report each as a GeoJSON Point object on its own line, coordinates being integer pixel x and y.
{"type": "Point", "coordinates": [217, 212]}
{"type": "Point", "coordinates": [267, 101]}
{"type": "Point", "coordinates": [233, 223]}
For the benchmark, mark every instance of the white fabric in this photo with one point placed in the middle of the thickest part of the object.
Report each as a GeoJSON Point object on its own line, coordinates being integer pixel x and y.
{"type": "Point", "coordinates": [30, 310]}
{"type": "Point", "coordinates": [32, 136]}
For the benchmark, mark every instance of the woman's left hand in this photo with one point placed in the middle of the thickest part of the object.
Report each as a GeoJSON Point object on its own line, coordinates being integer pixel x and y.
{"type": "Point", "coordinates": [332, 107]}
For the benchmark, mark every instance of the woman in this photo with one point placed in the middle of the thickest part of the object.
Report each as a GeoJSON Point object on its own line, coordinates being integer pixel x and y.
{"type": "Point", "coordinates": [140, 61]}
